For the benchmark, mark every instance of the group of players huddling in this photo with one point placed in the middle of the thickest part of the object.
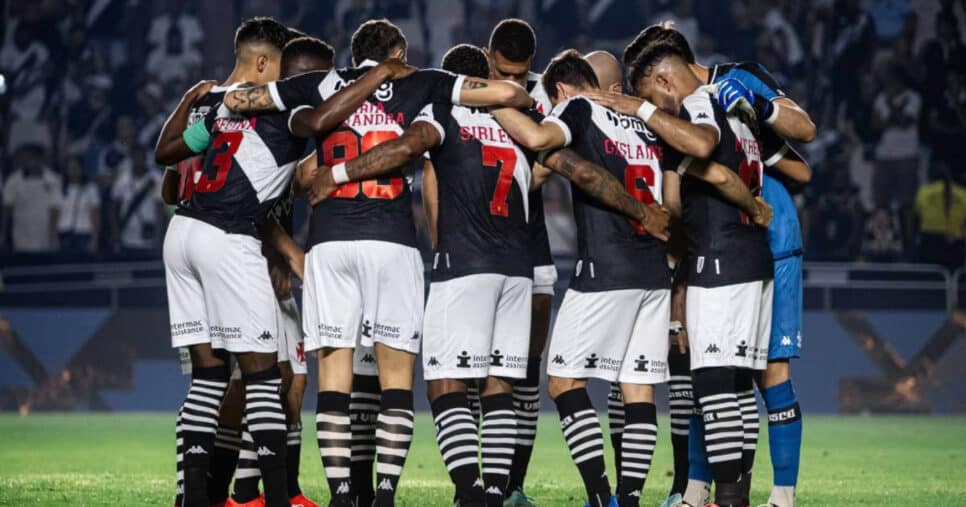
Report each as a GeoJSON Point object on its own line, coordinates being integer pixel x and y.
{"type": "Point", "coordinates": [671, 165]}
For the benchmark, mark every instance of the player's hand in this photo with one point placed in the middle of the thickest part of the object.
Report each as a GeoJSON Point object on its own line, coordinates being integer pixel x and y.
{"type": "Point", "coordinates": [657, 221]}
{"type": "Point", "coordinates": [281, 279]}
{"type": "Point", "coordinates": [733, 96]}
{"type": "Point", "coordinates": [763, 213]}
{"type": "Point", "coordinates": [624, 104]}
{"type": "Point", "coordinates": [395, 68]}
{"type": "Point", "coordinates": [200, 89]}
{"type": "Point", "coordinates": [323, 184]}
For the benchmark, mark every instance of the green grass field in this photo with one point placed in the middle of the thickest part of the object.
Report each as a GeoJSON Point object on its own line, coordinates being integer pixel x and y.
{"type": "Point", "coordinates": [127, 459]}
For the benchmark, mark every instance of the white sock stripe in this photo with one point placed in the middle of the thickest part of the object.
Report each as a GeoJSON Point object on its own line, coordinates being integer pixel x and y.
{"type": "Point", "coordinates": [391, 451]}
{"type": "Point", "coordinates": [462, 449]}
{"type": "Point", "coordinates": [716, 397]}
{"type": "Point", "coordinates": [456, 428]}
{"type": "Point", "coordinates": [679, 432]}
{"type": "Point", "coordinates": [581, 448]}
{"type": "Point", "coordinates": [463, 411]}
{"type": "Point", "coordinates": [198, 429]}
{"type": "Point", "coordinates": [596, 454]}
{"type": "Point", "coordinates": [724, 446]}
{"type": "Point", "coordinates": [388, 468]}
{"type": "Point", "coordinates": [450, 466]}
{"type": "Point", "coordinates": [206, 392]}
{"type": "Point", "coordinates": [638, 447]}
{"type": "Point", "coordinates": [271, 405]}
{"type": "Point", "coordinates": [335, 452]}
{"type": "Point", "coordinates": [343, 436]}
{"type": "Point", "coordinates": [394, 437]}
{"type": "Point", "coordinates": [247, 473]}
{"type": "Point", "coordinates": [211, 421]}
{"type": "Point", "coordinates": [724, 457]}
{"type": "Point", "coordinates": [335, 472]}
{"type": "Point", "coordinates": [723, 435]}
{"type": "Point", "coordinates": [267, 427]}
{"type": "Point", "coordinates": [255, 417]}
{"type": "Point", "coordinates": [593, 431]}
{"type": "Point", "coordinates": [330, 418]}
{"type": "Point", "coordinates": [578, 424]}
{"type": "Point", "coordinates": [396, 420]}
{"type": "Point", "coordinates": [364, 395]}
{"type": "Point", "coordinates": [636, 461]}
{"type": "Point", "coordinates": [510, 441]}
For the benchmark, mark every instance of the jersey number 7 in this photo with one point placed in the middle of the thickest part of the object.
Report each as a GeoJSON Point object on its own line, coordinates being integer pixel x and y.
{"type": "Point", "coordinates": [506, 160]}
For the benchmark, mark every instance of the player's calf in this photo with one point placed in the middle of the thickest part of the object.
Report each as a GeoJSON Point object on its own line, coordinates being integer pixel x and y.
{"type": "Point", "coordinates": [456, 434]}
{"type": "Point", "coordinates": [363, 411]}
{"type": "Point", "coordinates": [198, 423]}
{"type": "Point", "coordinates": [637, 442]}
{"type": "Point", "coordinates": [581, 430]}
{"type": "Point", "coordinates": [499, 434]}
{"type": "Point", "coordinates": [265, 420]}
{"type": "Point", "coordinates": [784, 431]}
{"type": "Point", "coordinates": [724, 434]}
{"type": "Point", "coordinates": [228, 441]}
{"type": "Point", "coordinates": [681, 405]}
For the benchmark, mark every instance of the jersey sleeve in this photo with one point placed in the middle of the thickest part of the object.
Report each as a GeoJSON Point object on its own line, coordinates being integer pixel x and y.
{"type": "Point", "coordinates": [198, 136]}
{"type": "Point", "coordinates": [671, 159]}
{"type": "Point", "coordinates": [299, 90]}
{"type": "Point", "coordinates": [773, 148]}
{"type": "Point", "coordinates": [440, 85]}
{"type": "Point", "coordinates": [436, 115]}
{"type": "Point", "coordinates": [698, 109]}
{"type": "Point", "coordinates": [572, 116]}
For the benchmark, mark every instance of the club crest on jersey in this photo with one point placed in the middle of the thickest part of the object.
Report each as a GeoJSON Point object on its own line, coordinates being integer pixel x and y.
{"type": "Point", "coordinates": [384, 92]}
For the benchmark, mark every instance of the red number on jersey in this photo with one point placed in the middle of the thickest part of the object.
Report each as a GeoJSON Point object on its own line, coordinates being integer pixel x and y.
{"type": "Point", "coordinates": [506, 160]}
{"type": "Point", "coordinates": [186, 176]}
{"type": "Point", "coordinates": [633, 175]}
{"type": "Point", "coordinates": [221, 161]}
{"type": "Point", "coordinates": [352, 146]}
{"type": "Point", "coordinates": [750, 173]}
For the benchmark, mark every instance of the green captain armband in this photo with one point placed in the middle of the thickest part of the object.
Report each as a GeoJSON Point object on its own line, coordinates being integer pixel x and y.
{"type": "Point", "coordinates": [196, 137]}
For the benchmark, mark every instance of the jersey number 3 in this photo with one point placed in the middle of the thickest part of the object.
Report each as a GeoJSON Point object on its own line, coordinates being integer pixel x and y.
{"type": "Point", "coordinates": [352, 146]}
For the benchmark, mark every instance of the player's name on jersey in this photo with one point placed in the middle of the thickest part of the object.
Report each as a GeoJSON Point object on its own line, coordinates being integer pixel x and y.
{"type": "Point", "coordinates": [484, 133]}
{"type": "Point", "coordinates": [747, 145]}
{"type": "Point", "coordinates": [374, 113]}
{"type": "Point", "coordinates": [236, 124]}
{"type": "Point", "coordinates": [633, 152]}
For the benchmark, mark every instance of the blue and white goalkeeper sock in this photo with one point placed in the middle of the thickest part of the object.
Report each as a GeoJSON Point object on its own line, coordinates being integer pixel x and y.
{"type": "Point", "coordinates": [784, 439]}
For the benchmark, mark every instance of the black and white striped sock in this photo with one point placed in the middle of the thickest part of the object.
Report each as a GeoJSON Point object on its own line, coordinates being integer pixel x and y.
{"type": "Point", "coordinates": [681, 407]}
{"type": "Point", "coordinates": [247, 476]}
{"type": "Point", "coordinates": [473, 397]}
{"type": "Point", "coordinates": [266, 424]}
{"type": "Point", "coordinates": [637, 449]}
{"type": "Point", "coordinates": [293, 458]}
{"type": "Point", "coordinates": [745, 387]}
{"type": "Point", "coordinates": [723, 431]}
{"type": "Point", "coordinates": [615, 422]}
{"type": "Point", "coordinates": [199, 424]}
{"type": "Point", "coordinates": [179, 467]}
{"type": "Point", "coordinates": [363, 412]}
{"type": "Point", "coordinates": [333, 431]}
{"type": "Point", "coordinates": [456, 434]}
{"type": "Point", "coordinates": [394, 435]}
{"type": "Point", "coordinates": [497, 443]}
{"type": "Point", "coordinates": [526, 404]}
{"type": "Point", "coordinates": [581, 430]}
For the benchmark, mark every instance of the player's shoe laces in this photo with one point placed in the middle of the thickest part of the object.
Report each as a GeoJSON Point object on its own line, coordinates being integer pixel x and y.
{"type": "Point", "coordinates": [299, 500]}
{"type": "Point", "coordinates": [518, 498]}
{"type": "Point", "coordinates": [258, 502]}
{"type": "Point", "coordinates": [675, 500]}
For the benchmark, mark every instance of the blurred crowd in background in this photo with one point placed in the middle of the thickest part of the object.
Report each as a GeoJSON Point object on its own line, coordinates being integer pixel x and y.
{"type": "Point", "coordinates": [90, 82]}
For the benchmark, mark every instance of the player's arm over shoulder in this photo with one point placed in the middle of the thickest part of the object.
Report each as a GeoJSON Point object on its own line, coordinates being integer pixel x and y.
{"type": "Point", "coordinates": [539, 135]}
{"type": "Point", "coordinates": [786, 116]}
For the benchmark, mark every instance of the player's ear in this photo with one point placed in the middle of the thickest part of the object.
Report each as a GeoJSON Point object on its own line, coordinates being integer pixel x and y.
{"type": "Point", "coordinates": [562, 92]}
{"type": "Point", "coordinates": [615, 87]}
{"type": "Point", "coordinates": [261, 62]}
{"type": "Point", "coordinates": [399, 52]}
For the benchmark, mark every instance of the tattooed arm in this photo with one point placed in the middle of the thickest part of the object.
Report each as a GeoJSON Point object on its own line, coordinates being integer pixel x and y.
{"type": "Point", "coordinates": [603, 186]}
{"type": "Point", "coordinates": [383, 159]}
{"type": "Point", "coordinates": [477, 92]}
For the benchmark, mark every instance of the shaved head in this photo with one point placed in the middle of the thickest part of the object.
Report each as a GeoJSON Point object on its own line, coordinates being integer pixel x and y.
{"type": "Point", "coordinates": [607, 68]}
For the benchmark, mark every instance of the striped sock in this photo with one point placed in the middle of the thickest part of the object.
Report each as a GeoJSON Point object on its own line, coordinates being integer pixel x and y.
{"type": "Point", "coordinates": [456, 434]}
{"type": "Point", "coordinates": [334, 434]}
{"type": "Point", "coordinates": [224, 459]}
{"type": "Point", "coordinates": [248, 476]}
{"type": "Point", "coordinates": [681, 405]}
{"type": "Point", "coordinates": [498, 441]}
{"type": "Point", "coordinates": [363, 411]}
{"type": "Point", "coordinates": [394, 435]}
{"type": "Point", "coordinates": [639, 439]}
{"type": "Point", "coordinates": [179, 460]}
{"type": "Point", "coordinates": [293, 458]}
{"type": "Point", "coordinates": [615, 422]}
{"type": "Point", "coordinates": [724, 434]}
{"type": "Point", "coordinates": [473, 397]}
{"type": "Point", "coordinates": [199, 424]}
{"type": "Point", "coordinates": [745, 387]}
{"type": "Point", "coordinates": [581, 430]}
{"type": "Point", "coordinates": [266, 423]}
{"type": "Point", "coordinates": [526, 404]}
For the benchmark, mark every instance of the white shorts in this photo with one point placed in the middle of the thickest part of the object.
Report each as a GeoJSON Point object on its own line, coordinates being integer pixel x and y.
{"type": "Point", "coordinates": [477, 326]}
{"type": "Point", "coordinates": [362, 292]}
{"type": "Point", "coordinates": [730, 325]}
{"type": "Point", "coordinates": [291, 346]}
{"type": "Point", "coordinates": [364, 361]}
{"type": "Point", "coordinates": [544, 278]}
{"type": "Point", "coordinates": [616, 335]}
{"type": "Point", "coordinates": [219, 291]}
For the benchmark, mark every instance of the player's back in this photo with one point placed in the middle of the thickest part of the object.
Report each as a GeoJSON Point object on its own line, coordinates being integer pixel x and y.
{"type": "Point", "coordinates": [189, 169]}
{"type": "Point", "coordinates": [483, 179]}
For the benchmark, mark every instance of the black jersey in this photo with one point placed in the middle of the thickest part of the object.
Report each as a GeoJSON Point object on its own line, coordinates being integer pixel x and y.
{"type": "Point", "coordinates": [378, 209]}
{"type": "Point", "coordinates": [613, 251]}
{"type": "Point", "coordinates": [540, 252]}
{"type": "Point", "coordinates": [189, 169]}
{"type": "Point", "coordinates": [483, 181]}
{"type": "Point", "coordinates": [724, 246]}
{"type": "Point", "coordinates": [248, 164]}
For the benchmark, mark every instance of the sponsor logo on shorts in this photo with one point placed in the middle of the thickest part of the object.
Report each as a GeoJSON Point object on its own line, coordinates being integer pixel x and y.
{"type": "Point", "coordinates": [327, 331]}
{"type": "Point", "coordinates": [387, 332]}
{"type": "Point", "coordinates": [641, 363]}
{"type": "Point", "coordinates": [265, 336]}
{"type": "Point", "coordinates": [189, 327]}
{"type": "Point", "coordinates": [712, 349]}
{"type": "Point", "coordinates": [366, 328]}
{"type": "Point", "coordinates": [602, 363]}
{"type": "Point", "coordinates": [591, 361]}
{"type": "Point", "coordinates": [644, 365]}
{"type": "Point", "coordinates": [496, 359]}
{"type": "Point", "coordinates": [225, 333]}
{"type": "Point", "coordinates": [742, 349]}
{"type": "Point", "coordinates": [433, 362]}
{"type": "Point", "coordinates": [558, 359]}
{"type": "Point", "coordinates": [464, 360]}
{"type": "Point", "coordinates": [415, 336]}
{"type": "Point", "coordinates": [507, 361]}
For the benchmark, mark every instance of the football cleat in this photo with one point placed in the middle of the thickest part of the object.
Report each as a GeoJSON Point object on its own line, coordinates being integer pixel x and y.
{"type": "Point", "coordinates": [675, 500]}
{"type": "Point", "coordinates": [299, 500]}
{"type": "Point", "coordinates": [611, 503]}
{"type": "Point", "coordinates": [518, 498]}
{"type": "Point", "coordinates": [258, 502]}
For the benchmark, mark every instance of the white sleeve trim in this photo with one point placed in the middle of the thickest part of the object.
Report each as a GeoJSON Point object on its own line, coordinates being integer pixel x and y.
{"type": "Point", "coordinates": [273, 92]}
{"type": "Point", "coordinates": [568, 138]}
{"type": "Point", "coordinates": [457, 88]}
{"type": "Point", "coordinates": [780, 154]}
{"type": "Point", "coordinates": [684, 165]}
{"type": "Point", "coordinates": [435, 124]}
{"type": "Point", "coordinates": [292, 115]}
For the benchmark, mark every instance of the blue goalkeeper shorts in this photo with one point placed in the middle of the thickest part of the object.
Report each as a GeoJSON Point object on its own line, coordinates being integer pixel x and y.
{"type": "Point", "coordinates": [786, 320]}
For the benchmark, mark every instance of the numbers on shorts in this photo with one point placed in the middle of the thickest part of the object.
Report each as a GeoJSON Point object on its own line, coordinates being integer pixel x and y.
{"type": "Point", "coordinates": [750, 173]}
{"type": "Point", "coordinates": [638, 181]}
{"type": "Point", "coordinates": [505, 160]}
{"type": "Point", "coordinates": [224, 147]}
{"type": "Point", "coordinates": [345, 145]}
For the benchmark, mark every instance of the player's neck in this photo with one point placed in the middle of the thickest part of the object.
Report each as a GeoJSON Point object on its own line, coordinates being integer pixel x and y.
{"type": "Point", "coordinates": [701, 71]}
{"type": "Point", "coordinates": [241, 74]}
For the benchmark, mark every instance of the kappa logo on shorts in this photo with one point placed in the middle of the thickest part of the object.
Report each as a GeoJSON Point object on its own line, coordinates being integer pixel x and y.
{"type": "Point", "coordinates": [433, 362]}
{"type": "Point", "coordinates": [265, 336]}
{"type": "Point", "coordinates": [416, 336]}
{"type": "Point", "coordinates": [786, 341]}
{"type": "Point", "coordinates": [591, 361]}
{"type": "Point", "coordinates": [558, 359]}
{"type": "Point", "coordinates": [712, 349]}
{"type": "Point", "coordinates": [367, 358]}
{"type": "Point", "coordinates": [463, 360]}
{"type": "Point", "coordinates": [742, 349]}
{"type": "Point", "coordinates": [367, 329]}
{"type": "Point", "coordinates": [496, 359]}
{"type": "Point", "coordinates": [641, 363]}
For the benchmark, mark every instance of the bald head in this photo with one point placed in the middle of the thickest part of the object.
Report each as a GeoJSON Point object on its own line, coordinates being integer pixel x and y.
{"type": "Point", "coordinates": [608, 70]}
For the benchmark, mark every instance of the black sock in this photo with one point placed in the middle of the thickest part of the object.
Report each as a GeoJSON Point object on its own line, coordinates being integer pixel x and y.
{"type": "Point", "coordinates": [248, 476]}
{"type": "Point", "coordinates": [199, 423]}
{"type": "Point", "coordinates": [224, 459]}
{"type": "Point", "coordinates": [681, 401]}
{"type": "Point", "coordinates": [581, 430]}
{"type": "Point", "coordinates": [293, 458]}
{"type": "Point", "coordinates": [497, 444]}
{"type": "Point", "coordinates": [363, 412]}
{"type": "Point", "coordinates": [394, 436]}
{"type": "Point", "coordinates": [615, 422]}
{"type": "Point", "coordinates": [333, 430]}
{"type": "Point", "coordinates": [456, 434]}
{"type": "Point", "coordinates": [266, 423]}
{"type": "Point", "coordinates": [715, 390]}
{"type": "Point", "coordinates": [526, 404]}
{"type": "Point", "coordinates": [745, 387]}
{"type": "Point", "coordinates": [638, 442]}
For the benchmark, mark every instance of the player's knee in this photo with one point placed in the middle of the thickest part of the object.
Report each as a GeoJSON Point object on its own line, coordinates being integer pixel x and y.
{"type": "Point", "coordinates": [559, 385]}
{"type": "Point", "coordinates": [437, 388]}
{"type": "Point", "coordinates": [776, 372]}
{"type": "Point", "coordinates": [252, 362]}
{"type": "Point", "coordinates": [496, 385]}
{"type": "Point", "coordinates": [637, 393]}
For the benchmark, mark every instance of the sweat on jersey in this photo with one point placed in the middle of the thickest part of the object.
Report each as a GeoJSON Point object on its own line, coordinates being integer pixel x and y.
{"type": "Point", "coordinates": [483, 185]}
{"type": "Point", "coordinates": [613, 251]}
{"type": "Point", "coordinates": [377, 209]}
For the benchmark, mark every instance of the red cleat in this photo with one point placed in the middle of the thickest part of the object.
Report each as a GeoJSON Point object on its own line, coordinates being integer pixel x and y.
{"type": "Point", "coordinates": [299, 500]}
{"type": "Point", "coordinates": [258, 502]}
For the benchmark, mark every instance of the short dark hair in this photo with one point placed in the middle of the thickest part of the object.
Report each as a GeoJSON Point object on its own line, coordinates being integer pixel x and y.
{"type": "Point", "coordinates": [261, 29]}
{"type": "Point", "coordinates": [651, 56]}
{"type": "Point", "coordinates": [514, 39]}
{"type": "Point", "coordinates": [466, 59]}
{"type": "Point", "coordinates": [657, 34]}
{"type": "Point", "coordinates": [568, 67]}
{"type": "Point", "coordinates": [375, 40]}
{"type": "Point", "coordinates": [308, 46]}
{"type": "Point", "coordinates": [295, 33]}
